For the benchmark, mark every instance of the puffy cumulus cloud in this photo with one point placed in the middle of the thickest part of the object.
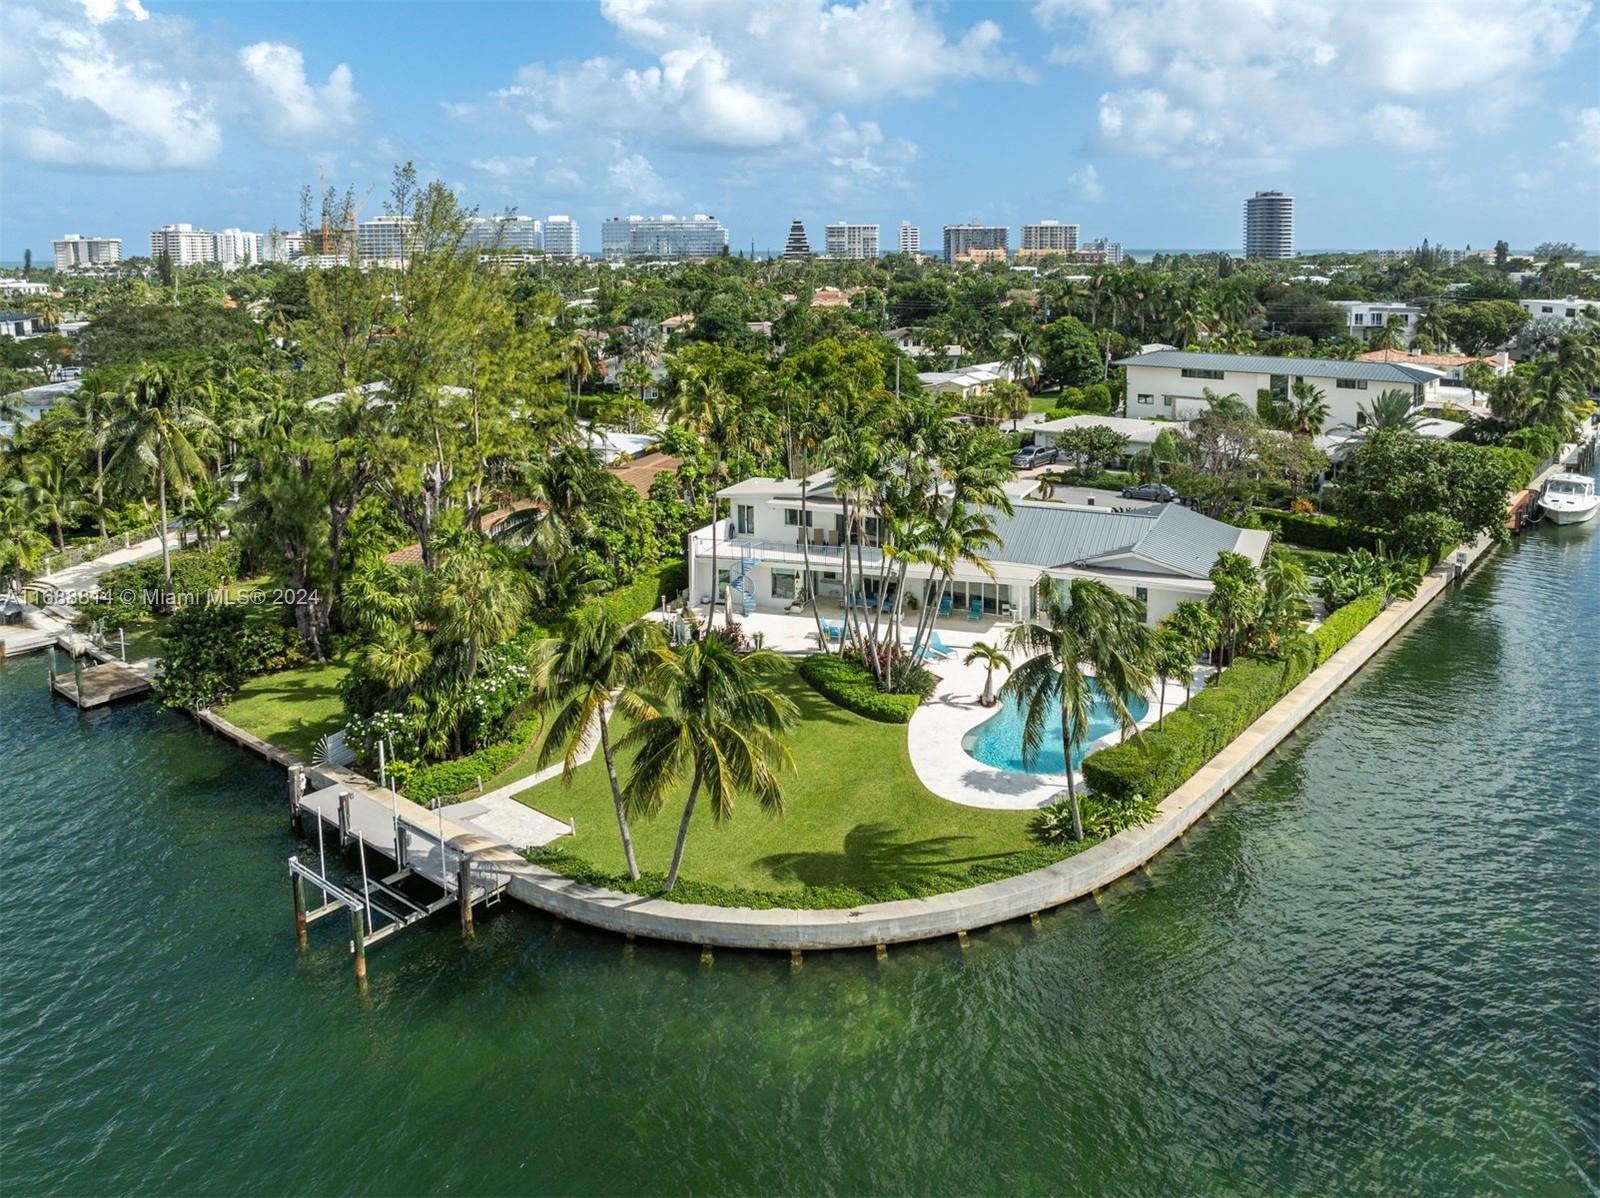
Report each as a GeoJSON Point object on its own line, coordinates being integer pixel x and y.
{"type": "Point", "coordinates": [105, 85]}
{"type": "Point", "coordinates": [1086, 184]}
{"type": "Point", "coordinates": [503, 166]}
{"type": "Point", "coordinates": [632, 177]}
{"type": "Point", "coordinates": [1260, 80]}
{"type": "Point", "coordinates": [291, 106]}
{"type": "Point", "coordinates": [1584, 142]}
{"type": "Point", "coordinates": [858, 158]}
{"type": "Point", "coordinates": [734, 76]}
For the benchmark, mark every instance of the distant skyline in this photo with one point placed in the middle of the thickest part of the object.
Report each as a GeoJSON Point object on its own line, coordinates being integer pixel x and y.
{"type": "Point", "coordinates": [1149, 122]}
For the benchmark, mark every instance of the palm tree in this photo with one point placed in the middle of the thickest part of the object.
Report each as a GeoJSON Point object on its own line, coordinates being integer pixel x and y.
{"type": "Point", "coordinates": [1022, 362]}
{"type": "Point", "coordinates": [1198, 628]}
{"type": "Point", "coordinates": [601, 658]}
{"type": "Point", "coordinates": [204, 511]}
{"type": "Point", "coordinates": [151, 432]}
{"type": "Point", "coordinates": [481, 600]}
{"type": "Point", "coordinates": [49, 496]}
{"type": "Point", "coordinates": [710, 711]}
{"type": "Point", "coordinates": [705, 405]}
{"type": "Point", "coordinates": [991, 657]}
{"type": "Point", "coordinates": [1478, 376]}
{"type": "Point", "coordinates": [1092, 625]}
{"type": "Point", "coordinates": [1308, 410]}
{"type": "Point", "coordinates": [577, 361]}
{"type": "Point", "coordinates": [1173, 658]}
{"type": "Point", "coordinates": [1392, 410]}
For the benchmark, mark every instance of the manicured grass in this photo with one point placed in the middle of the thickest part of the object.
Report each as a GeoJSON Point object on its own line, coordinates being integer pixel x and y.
{"type": "Point", "coordinates": [292, 709]}
{"type": "Point", "coordinates": [855, 815]}
{"type": "Point", "coordinates": [1314, 560]}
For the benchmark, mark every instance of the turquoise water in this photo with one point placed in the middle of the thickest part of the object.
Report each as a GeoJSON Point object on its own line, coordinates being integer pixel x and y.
{"type": "Point", "coordinates": [1374, 970]}
{"type": "Point", "coordinates": [998, 740]}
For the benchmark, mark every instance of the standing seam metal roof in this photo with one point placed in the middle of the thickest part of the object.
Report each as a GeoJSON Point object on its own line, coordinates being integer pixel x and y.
{"type": "Point", "coordinates": [1052, 535]}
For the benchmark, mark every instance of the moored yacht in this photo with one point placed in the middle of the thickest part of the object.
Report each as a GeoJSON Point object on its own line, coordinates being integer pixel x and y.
{"type": "Point", "coordinates": [1569, 498]}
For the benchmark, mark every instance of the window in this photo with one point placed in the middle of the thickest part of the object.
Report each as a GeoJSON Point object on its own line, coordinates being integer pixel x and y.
{"type": "Point", "coordinates": [1141, 596]}
{"type": "Point", "coordinates": [1166, 401]}
{"type": "Point", "coordinates": [1359, 319]}
{"type": "Point", "coordinates": [1361, 418]}
{"type": "Point", "coordinates": [745, 518]}
{"type": "Point", "coordinates": [791, 517]}
{"type": "Point", "coordinates": [1572, 311]}
{"type": "Point", "coordinates": [782, 584]}
{"type": "Point", "coordinates": [1191, 372]}
{"type": "Point", "coordinates": [1351, 384]}
{"type": "Point", "coordinates": [1147, 399]}
{"type": "Point", "coordinates": [1547, 309]}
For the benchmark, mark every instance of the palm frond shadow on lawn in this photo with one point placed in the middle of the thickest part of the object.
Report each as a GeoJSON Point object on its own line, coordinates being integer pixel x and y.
{"type": "Point", "coordinates": [871, 851]}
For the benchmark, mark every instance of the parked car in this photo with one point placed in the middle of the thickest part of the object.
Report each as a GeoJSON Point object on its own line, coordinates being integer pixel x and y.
{"type": "Point", "coordinates": [1150, 493]}
{"type": "Point", "coordinates": [1033, 455]}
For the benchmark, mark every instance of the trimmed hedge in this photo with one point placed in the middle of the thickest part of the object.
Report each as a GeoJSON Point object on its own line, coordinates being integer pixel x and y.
{"type": "Point", "coordinates": [1340, 628]}
{"type": "Point", "coordinates": [1315, 532]}
{"type": "Point", "coordinates": [853, 688]}
{"type": "Point", "coordinates": [458, 776]}
{"type": "Point", "coordinates": [645, 593]}
{"type": "Point", "coordinates": [1162, 759]}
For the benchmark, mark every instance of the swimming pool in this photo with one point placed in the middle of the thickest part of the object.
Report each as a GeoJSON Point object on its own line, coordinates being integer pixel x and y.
{"type": "Point", "coordinates": [998, 740]}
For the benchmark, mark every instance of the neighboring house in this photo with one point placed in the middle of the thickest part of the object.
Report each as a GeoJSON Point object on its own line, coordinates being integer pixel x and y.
{"type": "Point", "coordinates": [968, 382]}
{"type": "Point", "coordinates": [1363, 318]}
{"type": "Point", "coordinates": [1141, 434]}
{"type": "Point", "coordinates": [23, 287]}
{"type": "Point", "coordinates": [18, 324]}
{"type": "Point", "coordinates": [1159, 555]}
{"type": "Point", "coordinates": [1449, 366]}
{"type": "Point", "coordinates": [682, 322]}
{"type": "Point", "coordinates": [1173, 383]}
{"type": "Point", "coordinates": [1571, 309]}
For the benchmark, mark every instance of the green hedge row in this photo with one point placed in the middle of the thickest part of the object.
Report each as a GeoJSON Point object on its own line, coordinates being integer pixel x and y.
{"type": "Point", "coordinates": [461, 775]}
{"type": "Point", "coordinates": [1337, 630]}
{"type": "Point", "coordinates": [853, 688]}
{"type": "Point", "coordinates": [1162, 759]}
{"type": "Point", "coordinates": [645, 593]}
{"type": "Point", "coordinates": [812, 898]}
{"type": "Point", "coordinates": [1315, 532]}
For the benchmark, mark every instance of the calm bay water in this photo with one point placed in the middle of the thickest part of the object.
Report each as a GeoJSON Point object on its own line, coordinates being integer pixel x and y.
{"type": "Point", "coordinates": [1375, 969]}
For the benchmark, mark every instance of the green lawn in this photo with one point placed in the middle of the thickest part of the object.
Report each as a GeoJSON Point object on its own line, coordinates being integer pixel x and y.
{"type": "Point", "coordinates": [292, 709]}
{"type": "Point", "coordinates": [1314, 560]}
{"type": "Point", "coordinates": [855, 816]}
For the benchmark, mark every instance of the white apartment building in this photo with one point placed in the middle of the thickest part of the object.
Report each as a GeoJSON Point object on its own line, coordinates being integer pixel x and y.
{"type": "Point", "coordinates": [279, 245]}
{"type": "Point", "coordinates": [1571, 309]}
{"type": "Point", "coordinates": [667, 237]}
{"type": "Point", "coordinates": [976, 242]}
{"type": "Point", "coordinates": [518, 234]}
{"type": "Point", "coordinates": [1048, 237]}
{"type": "Point", "coordinates": [1269, 225]}
{"type": "Point", "coordinates": [79, 253]}
{"type": "Point", "coordinates": [1172, 384]}
{"type": "Point", "coordinates": [236, 247]}
{"type": "Point", "coordinates": [844, 240]}
{"type": "Point", "coordinates": [910, 238]}
{"type": "Point", "coordinates": [561, 237]}
{"type": "Point", "coordinates": [21, 286]}
{"type": "Point", "coordinates": [184, 244]}
{"type": "Point", "coordinates": [1106, 250]}
{"type": "Point", "coordinates": [1363, 318]}
{"type": "Point", "coordinates": [769, 553]}
{"type": "Point", "coordinates": [382, 240]}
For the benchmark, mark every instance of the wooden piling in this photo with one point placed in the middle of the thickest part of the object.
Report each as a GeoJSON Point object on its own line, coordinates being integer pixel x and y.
{"type": "Point", "coordinates": [77, 677]}
{"type": "Point", "coordinates": [299, 911]}
{"type": "Point", "coordinates": [358, 945]}
{"type": "Point", "coordinates": [297, 785]}
{"type": "Point", "coordinates": [961, 938]}
{"type": "Point", "coordinates": [881, 951]}
{"type": "Point", "coordinates": [705, 954]}
{"type": "Point", "coordinates": [796, 958]}
{"type": "Point", "coordinates": [1033, 918]}
{"type": "Point", "coordinates": [464, 893]}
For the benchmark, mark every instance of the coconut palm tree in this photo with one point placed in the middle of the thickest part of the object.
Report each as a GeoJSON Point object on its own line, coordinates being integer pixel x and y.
{"type": "Point", "coordinates": [991, 656]}
{"type": "Point", "coordinates": [1308, 409]}
{"type": "Point", "coordinates": [582, 674]}
{"type": "Point", "coordinates": [1390, 411]}
{"type": "Point", "coordinates": [710, 712]}
{"type": "Point", "coordinates": [151, 431]}
{"type": "Point", "coordinates": [1088, 624]}
{"type": "Point", "coordinates": [49, 495]}
{"type": "Point", "coordinates": [1198, 628]}
{"type": "Point", "coordinates": [1173, 658]}
{"type": "Point", "coordinates": [578, 362]}
{"type": "Point", "coordinates": [482, 599]}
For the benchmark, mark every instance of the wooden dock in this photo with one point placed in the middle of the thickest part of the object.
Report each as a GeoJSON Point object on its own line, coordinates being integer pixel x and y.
{"type": "Point", "coordinates": [98, 685]}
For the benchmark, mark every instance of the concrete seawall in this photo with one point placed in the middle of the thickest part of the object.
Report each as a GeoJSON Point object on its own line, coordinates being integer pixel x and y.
{"type": "Point", "coordinates": [962, 910]}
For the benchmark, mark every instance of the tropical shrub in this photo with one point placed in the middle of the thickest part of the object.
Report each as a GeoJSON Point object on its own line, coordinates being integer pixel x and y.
{"type": "Point", "coordinates": [1340, 628]}
{"type": "Point", "coordinates": [1359, 572]}
{"type": "Point", "coordinates": [645, 593]}
{"type": "Point", "coordinates": [1102, 817]}
{"type": "Point", "coordinates": [213, 648]}
{"type": "Point", "coordinates": [1314, 532]}
{"type": "Point", "coordinates": [133, 589]}
{"type": "Point", "coordinates": [425, 783]}
{"type": "Point", "coordinates": [853, 688]}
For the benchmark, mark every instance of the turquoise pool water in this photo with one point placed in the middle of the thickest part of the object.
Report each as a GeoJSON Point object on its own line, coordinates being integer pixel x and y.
{"type": "Point", "coordinates": [998, 740]}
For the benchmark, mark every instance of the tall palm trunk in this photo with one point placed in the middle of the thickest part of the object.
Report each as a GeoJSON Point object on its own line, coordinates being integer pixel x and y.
{"type": "Point", "coordinates": [616, 792]}
{"type": "Point", "coordinates": [683, 832]}
{"type": "Point", "coordinates": [166, 557]}
{"type": "Point", "coordinates": [99, 485]}
{"type": "Point", "coordinates": [716, 515]}
{"type": "Point", "coordinates": [1072, 786]}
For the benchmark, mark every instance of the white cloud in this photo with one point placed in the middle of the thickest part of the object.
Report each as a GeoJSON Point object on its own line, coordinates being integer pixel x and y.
{"type": "Point", "coordinates": [1585, 140]}
{"type": "Point", "coordinates": [291, 106]}
{"type": "Point", "coordinates": [106, 85]}
{"type": "Point", "coordinates": [1259, 80]}
{"type": "Point", "coordinates": [633, 178]}
{"type": "Point", "coordinates": [1086, 183]}
{"type": "Point", "coordinates": [503, 166]}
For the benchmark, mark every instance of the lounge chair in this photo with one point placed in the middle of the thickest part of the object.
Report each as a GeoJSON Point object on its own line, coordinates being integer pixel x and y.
{"type": "Point", "coordinates": [944, 604]}
{"type": "Point", "coordinates": [975, 609]}
{"type": "Point", "coordinates": [936, 643]}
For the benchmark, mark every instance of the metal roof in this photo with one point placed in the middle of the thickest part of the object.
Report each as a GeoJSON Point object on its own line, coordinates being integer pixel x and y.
{"type": "Point", "coordinates": [1052, 535]}
{"type": "Point", "coordinates": [1321, 368]}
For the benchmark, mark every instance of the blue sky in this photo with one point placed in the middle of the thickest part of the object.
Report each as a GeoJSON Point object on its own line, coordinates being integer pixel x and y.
{"type": "Point", "coordinates": [1148, 121]}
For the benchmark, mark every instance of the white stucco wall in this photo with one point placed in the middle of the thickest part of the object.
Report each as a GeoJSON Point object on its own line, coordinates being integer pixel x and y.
{"type": "Point", "coordinates": [1172, 395]}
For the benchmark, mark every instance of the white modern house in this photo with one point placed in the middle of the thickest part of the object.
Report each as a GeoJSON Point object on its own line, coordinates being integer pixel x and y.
{"type": "Point", "coordinates": [1172, 384]}
{"type": "Point", "coordinates": [967, 382]}
{"type": "Point", "coordinates": [771, 554]}
{"type": "Point", "coordinates": [1141, 434]}
{"type": "Point", "coordinates": [1363, 318]}
{"type": "Point", "coordinates": [1572, 310]}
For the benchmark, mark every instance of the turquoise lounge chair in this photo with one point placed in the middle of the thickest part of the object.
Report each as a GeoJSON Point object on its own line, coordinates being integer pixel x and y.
{"type": "Point", "coordinates": [936, 643]}
{"type": "Point", "coordinates": [944, 604]}
{"type": "Point", "coordinates": [975, 609]}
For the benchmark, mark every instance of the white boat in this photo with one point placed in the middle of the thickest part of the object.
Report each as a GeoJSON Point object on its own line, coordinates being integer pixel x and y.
{"type": "Point", "coordinates": [1569, 499]}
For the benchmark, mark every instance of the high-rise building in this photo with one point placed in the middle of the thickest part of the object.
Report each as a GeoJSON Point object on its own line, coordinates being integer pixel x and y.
{"type": "Point", "coordinates": [383, 240]}
{"type": "Point", "coordinates": [852, 241]}
{"type": "Point", "coordinates": [1048, 237]}
{"type": "Point", "coordinates": [976, 242]}
{"type": "Point", "coordinates": [797, 248]}
{"type": "Point", "coordinates": [78, 253]}
{"type": "Point", "coordinates": [237, 247]}
{"type": "Point", "coordinates": [282, 246]}
{"type": "Point", "coordinates": [517, 234]}
{"type": "Point", "coordinates": [1109, 252]}
{"type": "Point", "coordinates": [561, 237]}
{"type": "Point", "coordinates": [184, 244]}
{"type": "Point", "coordinates": [1269, 225]}
{"type": "Point", "coordinates": [665, 236]}
{"type": "Point", "coordinates": [910, 238]}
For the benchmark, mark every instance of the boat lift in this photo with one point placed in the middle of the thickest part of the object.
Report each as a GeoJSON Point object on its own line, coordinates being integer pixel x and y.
{"type": "Point", "coordinates": [398, 831]}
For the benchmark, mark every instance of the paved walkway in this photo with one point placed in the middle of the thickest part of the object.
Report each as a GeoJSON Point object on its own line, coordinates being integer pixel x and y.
{"type": "Point", "coordinates": [506, 821]}
{"type": "Point", "coordinates": [85, 576]}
